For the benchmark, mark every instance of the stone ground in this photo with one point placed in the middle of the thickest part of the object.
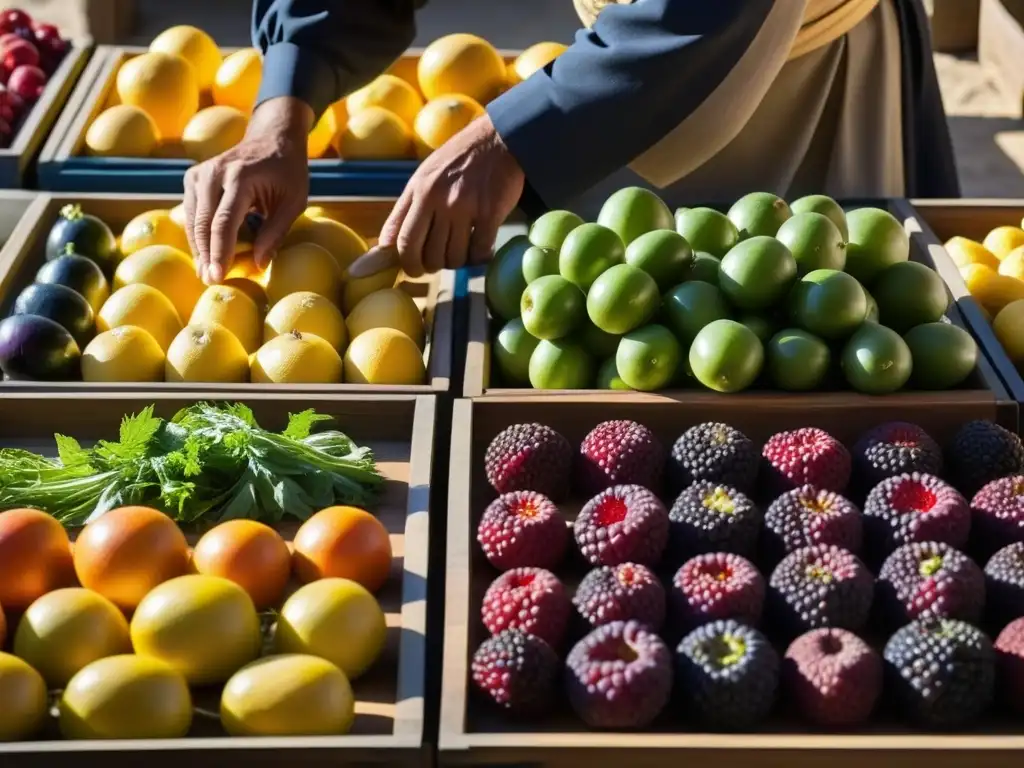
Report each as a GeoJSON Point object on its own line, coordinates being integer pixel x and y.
{"type": "Point", "coordinates": [989, 140]}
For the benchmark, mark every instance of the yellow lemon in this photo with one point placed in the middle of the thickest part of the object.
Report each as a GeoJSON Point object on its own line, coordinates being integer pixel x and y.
{"type": "Point", "coordinates": [230, 307]}
{"type": "Point", "coordinates": [390, 92]}
{"type": "Point", "coordinates": [168, 270]}
{"type": "Point", "coordinates": [336, 238]}
{"type": "Point", "coordinates": [23, 701]}
{"type": "Point", "coordinates": [1002, 240]}
{"type": "Point", "coordinates": [177, 214]}
{"type": "Point", "coordinates": [992, 290]}
{"type": "Point", "coordinates": [122, 131]}
{"type": "Point", "coordinates": [384, 356]}
{"type": "Point", "coordinates": [193, 45]}
{"type": "Point", "coordinates": [327, 130]}
{"type": "Point", "coordinates": [296, 358]}
{"type": "Point", "coordinates": [461, 63]}
{"type": "Point", "coordinates": [356, 290]}
{"type": "Point", "coordinates": [964, 251]}
{"type": "Point", "coordinates": [1013, 264]}
{"type": "Point", "coordinates": [125, 353]}
{"type": "Point", "coordinates": [316, 212]}
{"type": "Point", "coordinates": [533, 58]}
{"type": "Point", "coordinates": [390, 308]}
{"type": "Point", "coordinates": [303, 267]}
{"type": "Point", "coordinates": [404, 68]}
{"type": "Point", "coordinates": [375, 133]}
{"type": "Point", "coordinates": [307, 312]}
{"type": "Point", "coordinates": [1009, 329]}
{"type": "Point", "coordinates": [162, 85]}
{"type": "Point", "coordinates": [441, 119]}
{"type": "Point", "coordinates": [237, 81]}
{"type": "Point", "coordinates": [212, 131]}
{"type": "Point", "coordinates": [207, 353]}
{"type": "Point", "coordinates": [144, 307]}
{"type": "Point", "coordinates": [153, 228]}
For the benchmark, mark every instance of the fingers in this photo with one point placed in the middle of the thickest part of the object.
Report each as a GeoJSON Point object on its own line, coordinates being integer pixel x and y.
{"type": "Point", "coordinates": [389, 232]}
{"type": "Point", "coordinates": [275, 228]}
{"type": "Point", "coordinates": [189, 203]}
{"type": "Point", "coordinates": [481, 243]}
{"type": "Point", "coordinates": [413, 235]}
{"type": "Point", "coordinates": [458, 245]}
{"type": "Point", "coordinates": [227, 220]}
{"type": "Point", "coordinates": [208, 192]}
{"type": "Point", "coordinates": [435, 249]}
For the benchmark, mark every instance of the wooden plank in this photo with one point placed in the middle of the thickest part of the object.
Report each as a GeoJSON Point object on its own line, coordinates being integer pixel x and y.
{"type": "Point", "coordinates": [390, 698]}
{"type": "Point", "coordinates": [22, 255]}
{"type": "Point", "coordinates": [473, 734]}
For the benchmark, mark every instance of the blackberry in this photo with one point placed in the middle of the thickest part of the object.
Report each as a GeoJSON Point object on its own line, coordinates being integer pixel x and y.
{"type": "Point", "coordinates": [619, 676]}
{"type": "Point", "coordinates": [833, 677]}
{"type": "Point", "coordinates": [529, 457]}
{"type": "Point", "coordinates": [707, 517]}
{"type": "Point", "coordinates": [930, 578]}
{"type": "Point", "coordinates": [728, 675]}
{"type": "Point", "coordinates": [714, 452]}
{"type": "Point", "coordinates": [621, 593]}
{"type": "Point", "coordinates": [981, 452]}
{"type": "Point", "coordinates": [915, 507]}
{"type": "Point", "coordinates": [892, 449]}
{"type": "Point", "coordinates": [1009, 648]}
{"type": "Point", "coordinates": [806, 516]}
{"type": "Point", "coordinates": [997, 513]}
{"type": "Point", "coordinates": [517, 671]}
{"type": "Point", "coordinates": [521, 529]}
{"type": "Point", "coordinates": [530, 599]}
{"type": "Point", "coordinates": [718, 585]}
{"type": "Point", "coordinates": [941, 671]}
{"type": "Point", "coordinates": [620, 453]}
{"type": "Point", "coordinates": [820, 586]}
{"type": "Point", "coordinates": [807, 456]}
{"type": "Point", "coordinates": [625, 523]}
{"type": "Point", "coordinates": [1004, 583]}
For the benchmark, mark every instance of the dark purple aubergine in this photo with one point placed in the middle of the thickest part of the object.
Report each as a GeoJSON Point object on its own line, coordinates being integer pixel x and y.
{"type": "Point", "coordinates": [62, 305]}
{"type": "Point", "coordinates": [84, 234]}
{"type": "Point", "coordinates": [79, 274]}
{"type": "Point", "coordinates": [34, 348]}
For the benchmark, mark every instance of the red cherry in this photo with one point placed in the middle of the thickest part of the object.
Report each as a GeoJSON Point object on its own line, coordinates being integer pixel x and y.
{"type": "Point", "coordinates": [14, 18]}
{"type": "Point", "coordinates": [11, 100]}
{"type": "Point", "coordinates": [9, 37]}
{"type": "Point", "coordinates": [27, 82]}
{"type": "Point", "coordinates": [19, 54]}
{"type": "Point", "coordinates": [46, 32]}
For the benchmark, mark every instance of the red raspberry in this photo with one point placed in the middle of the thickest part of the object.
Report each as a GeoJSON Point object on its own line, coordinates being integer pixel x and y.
{"type": "Point", "coordinates": [621, 593]}
{"type": "Point", "coordinates": [517, 671]}
{"type": "Point", "coordinates": [620, 453]}
{"type": "Point", "coordinates": [521, 529]}
{"type": "Point", "coordinates": [530, 599]}
{"type": "Point", "coordinates": [1010, 657]}
{"type": "Point", "coordinates": [998, 513]}
{"type": "Point", "coordinates": [807, 456]}
{"type": "Point", "coordinates": [625, 523]}
{"type": "Point", "coordinates": [718, 585]}
{"type": "Point", "coordinates": [914, 507]}
{"type": "Point", "coordinates": [529, 457]}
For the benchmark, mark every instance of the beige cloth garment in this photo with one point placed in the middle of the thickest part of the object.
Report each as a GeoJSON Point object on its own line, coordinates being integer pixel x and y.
{"type": "Point", "coordinates": [828, 121]}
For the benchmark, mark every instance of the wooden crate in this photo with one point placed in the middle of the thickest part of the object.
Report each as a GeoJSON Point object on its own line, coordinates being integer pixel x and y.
{"type": "Point", "coordinates": [478, 366]}
{"type": "Point", "coordinates": [942, 219]}
{"type": "Point", "coordinates": [22, 256]}
{"type": "Point", "coordinates": [473, 733]}
{"type": "Point", "coordinates": [390, 698]}
{"type": "Point", "coordinates": [64, 166]}
{"type": "Point", "coordinates": [1001, 46]}
{"type": "Point", "coordinates": [16, 161]}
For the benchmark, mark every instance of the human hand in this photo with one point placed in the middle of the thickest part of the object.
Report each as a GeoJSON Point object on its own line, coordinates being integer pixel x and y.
{"type": "Point", "coordinates": [453, 205]}
{"type": "Point", "coordinates": [267, 171]}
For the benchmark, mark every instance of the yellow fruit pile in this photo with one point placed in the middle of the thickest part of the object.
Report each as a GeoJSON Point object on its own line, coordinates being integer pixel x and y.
{"type": "Point", "coordinates": [125, 623]}
{"type": "Point", "coordinates": [301, 321]}
{"type": "Point", "coordinates": [993, 271]}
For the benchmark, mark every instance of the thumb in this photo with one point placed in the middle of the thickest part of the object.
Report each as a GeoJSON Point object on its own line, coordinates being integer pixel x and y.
{"type": "Point", "coordinates": [273, 231]}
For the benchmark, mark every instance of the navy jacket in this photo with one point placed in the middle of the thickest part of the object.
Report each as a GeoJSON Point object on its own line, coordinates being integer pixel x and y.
{"type": "Point", "coordinates": [608, 99]}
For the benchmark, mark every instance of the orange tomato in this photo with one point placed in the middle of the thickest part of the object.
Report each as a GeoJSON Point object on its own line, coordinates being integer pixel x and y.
{"type": "Point", "coordinates": [35, 557]}
{"type": "Point", "coordinates": [128, 551]}
{"type": "Point", "coordinates": [251, 554]}
{"type": "Point", "coordinates": [343, 542]}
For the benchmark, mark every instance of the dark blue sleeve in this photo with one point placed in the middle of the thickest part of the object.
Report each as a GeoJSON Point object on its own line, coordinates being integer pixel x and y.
{"type": "Point", "coordinates": [322, 50]}
{"type": "Point", "coordinates": [621, 87]}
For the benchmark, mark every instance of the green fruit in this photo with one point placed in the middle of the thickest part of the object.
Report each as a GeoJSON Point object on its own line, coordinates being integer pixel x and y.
{"type": "Point", "coordinates": [505, 283]}
{"type": "Point", "coordinates": [589, 250]}
{"type": "Point", "coordinates": [814, 241]}
{"type": "Point", "coordinates": [689, 307]}
{"type": "Point", "coordinates": [560, 364]}
{"type": "Point", "coordinates": [757, 273]}
{"type": "Point", "coordinates": [647, 359]}
{"type": "Point", "coordinates": [552, 307]}
{"type": "Point", "coordinates": [512, 349]}
{"type": "Point", "coordinates": [551, 229]}
{"type": "Point", "coordinates": [704, 267]}
{"type": "Point", "coordinates": [707, 230]}
{"type": "Point", "coordinates": [597, 342]}
{"type": "Point", "coordinates": [634, 211]}
{"type": "Point", "coordinates": [764, 327]}
{"type": "Point", "coordinates": [608, 376]}
{"type": "Point", "coordinates": [538, 262]}
{"type": "Point", "coordinates": [829, 303]}
{"type": "Point", "coordinates": [824, 205]}
{"type": "Point", "coordinates": [621, 299]}
{"type": "Point", "coordinates": [877, 240]}
{"type": "Point", "coordinates": [726, 356]}
{"type": "Point", "coordinates": [759, 214]}
{"type": "Point", "coordinates": [876, 360]}
{"type": "Point", "coordinates": [797, 361]}
{"type": "Point", "coordinates": [663, 254]}
{"type": "Point", "coordinates": [872, 313]}
{"type": "Point", "coordinates": [944, 355]}
{"type": "Point", "coordinates": [909, 294]}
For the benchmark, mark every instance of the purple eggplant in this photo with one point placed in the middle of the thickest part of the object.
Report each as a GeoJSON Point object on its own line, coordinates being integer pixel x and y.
{"type": "Point", "coordinates": [34, 348]}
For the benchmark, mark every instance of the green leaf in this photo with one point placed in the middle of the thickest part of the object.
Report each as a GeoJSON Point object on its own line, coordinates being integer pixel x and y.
{"type": "Point", "coordinates": [301, 424]}
{"type": "Point", "coordinates": [69, 451]}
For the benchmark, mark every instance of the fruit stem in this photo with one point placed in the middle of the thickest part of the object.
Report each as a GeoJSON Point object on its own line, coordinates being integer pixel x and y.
{"type": "Point", "coordinates": [71, 212]}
